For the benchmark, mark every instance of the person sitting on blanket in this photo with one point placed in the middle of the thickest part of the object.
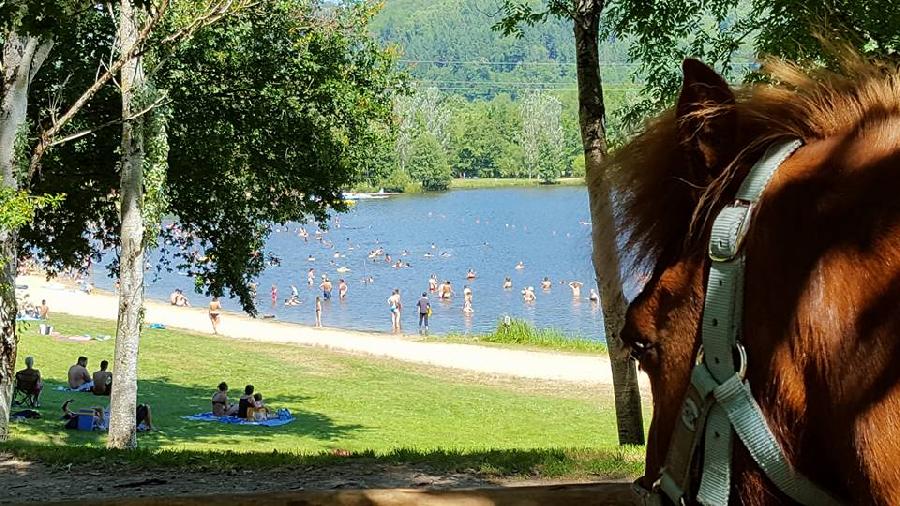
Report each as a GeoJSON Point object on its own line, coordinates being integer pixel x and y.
{"type": "Point", "coordinates": [29, 382]}
{"type": "Point", "coordinates": [260, 413]}
{"type": "Point", "coordinates": [102, 380]}
{"type": "Point", "coordinates": [246, 402]}
{"type": "Point", "coordinates": [79, 377]}
{"type": "Point", "coordinates": [220, 405]}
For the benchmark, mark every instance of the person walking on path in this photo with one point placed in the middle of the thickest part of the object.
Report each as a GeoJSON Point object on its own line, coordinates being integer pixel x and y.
{"type": "Point", "coordinates": [318, 312]}
{"type": "Point", "coordinates": [395, 306]}
{"type": "Point", "coordinates": [215, 310]}
{"type": "Point", "coordinates": [424, 306]}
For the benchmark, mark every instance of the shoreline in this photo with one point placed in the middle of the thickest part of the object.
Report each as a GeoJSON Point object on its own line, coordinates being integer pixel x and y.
{"type": "Point", "coordinates": [523, 363]}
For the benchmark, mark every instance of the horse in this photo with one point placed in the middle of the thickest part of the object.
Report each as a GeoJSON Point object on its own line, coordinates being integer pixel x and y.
{"type": "Point", "coordinates": [821, 296]}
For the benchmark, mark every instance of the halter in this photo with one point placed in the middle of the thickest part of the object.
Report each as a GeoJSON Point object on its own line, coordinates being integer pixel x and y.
{"type": "Point", "coordinates": [718, 403]}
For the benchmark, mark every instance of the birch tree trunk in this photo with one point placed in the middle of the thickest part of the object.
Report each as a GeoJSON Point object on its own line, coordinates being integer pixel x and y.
{"type": "Point", "coordinates": [22, 57]}
{"type": "Point", "coordinates": [123, 400]}
{"type": "Point", "coordinates": [591, 113]}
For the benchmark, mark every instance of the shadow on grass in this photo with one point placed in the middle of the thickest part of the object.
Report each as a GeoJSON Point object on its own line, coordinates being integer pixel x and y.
{"type": "Point", "coordinates": [620, 463]}
{"type": "Point", "coordinates": [169, 402]}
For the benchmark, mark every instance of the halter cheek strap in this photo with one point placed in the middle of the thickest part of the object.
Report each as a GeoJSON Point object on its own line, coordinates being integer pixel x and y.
{"type": "Point", "coordinates": [719, 403]}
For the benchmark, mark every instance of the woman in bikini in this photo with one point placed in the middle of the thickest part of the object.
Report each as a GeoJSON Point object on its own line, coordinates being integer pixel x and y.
{"type": "Point", "coordinates": [215, 310]}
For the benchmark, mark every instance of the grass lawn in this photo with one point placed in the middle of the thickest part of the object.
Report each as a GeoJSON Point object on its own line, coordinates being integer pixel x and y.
{"type": "Point", "coordinates": [487, 182]}
{"type": "Point", "coordinates": [374, 408]}
{"type": "Point", "coordinates": [521, 334]}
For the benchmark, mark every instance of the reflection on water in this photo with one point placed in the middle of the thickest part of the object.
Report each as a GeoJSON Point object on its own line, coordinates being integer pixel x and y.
{"type": "Point", "coordinates": [446, 234]}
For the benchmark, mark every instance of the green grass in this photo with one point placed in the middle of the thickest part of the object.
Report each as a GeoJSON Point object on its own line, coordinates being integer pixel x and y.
{"type": "Point", "coordinates": [520, 333]}
{"type": "Point", "coordinates": [374, 408]}
{"type": "Point", "coordinates": [472, 183]}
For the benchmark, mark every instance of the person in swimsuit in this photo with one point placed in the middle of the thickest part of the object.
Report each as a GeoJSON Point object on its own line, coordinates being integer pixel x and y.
{"type": "Point", "coordinates": [326, 287]}
{"type": "Point", "coordinates": [395, 306]}
{"type": "Point", "coordinates": [318, 312]}
{"type": "Point", "coordinates": [215, 310]}
{"type": "Point", "coordinates": [520, 266]}
{"type": "Point", "coordinates": [433, 283]}
{"type": "Point", "coordinates": [310, 277]}
{"type": "Point", "coordinates": [507, 283]}
{"type": "Point", "coordinates": [546, 284]}
{"type": "Point", "coordinates": [471, 274]}
{"type": "Point", "coordinates": [593, 296]}
{"type": "Point", "coordinates": [274, 293]}
{"type": "Point", "coordinates": [447, 292]}
{"type": "Point", "coordinates": [576, 289]}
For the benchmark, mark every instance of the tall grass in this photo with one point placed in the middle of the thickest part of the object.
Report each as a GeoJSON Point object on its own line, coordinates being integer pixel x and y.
{"type": "Point", "coordinates": [520, 332]}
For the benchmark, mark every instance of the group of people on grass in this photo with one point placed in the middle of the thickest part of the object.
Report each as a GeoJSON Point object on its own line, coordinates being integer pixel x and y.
{"type": "Point", "coordinates": [98, 383]}
{"type": "Point", "coordinates": [29, 385]}
{"type": "Point", "coordinates": [250, 406]}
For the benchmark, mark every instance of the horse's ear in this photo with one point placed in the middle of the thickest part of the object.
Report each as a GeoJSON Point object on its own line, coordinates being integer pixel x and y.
{"type": "Point", "coordinates": [707, 121]}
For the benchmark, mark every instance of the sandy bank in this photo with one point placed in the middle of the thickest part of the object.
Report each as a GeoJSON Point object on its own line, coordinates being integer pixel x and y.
{"type": "Point", "coordinates": [482, 359]}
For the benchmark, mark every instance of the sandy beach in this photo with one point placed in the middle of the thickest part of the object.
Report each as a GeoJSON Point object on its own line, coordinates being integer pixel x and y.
{"type": "Point", "coordinates": [481, 359]}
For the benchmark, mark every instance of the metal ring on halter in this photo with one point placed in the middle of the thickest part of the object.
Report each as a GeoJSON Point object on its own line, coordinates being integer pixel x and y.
{"type": "Point", "coordinates": [742, 356]}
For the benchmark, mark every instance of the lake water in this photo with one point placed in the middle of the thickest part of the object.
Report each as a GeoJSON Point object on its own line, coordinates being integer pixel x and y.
{"type": "Point", "coordinates": [489, 231]}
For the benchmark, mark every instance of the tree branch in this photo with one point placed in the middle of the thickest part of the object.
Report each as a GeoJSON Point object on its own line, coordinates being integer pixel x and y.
{"type": "Point", "coordinates": [46, 137]}
{"type": "Point", "coordinates": [160, 101]}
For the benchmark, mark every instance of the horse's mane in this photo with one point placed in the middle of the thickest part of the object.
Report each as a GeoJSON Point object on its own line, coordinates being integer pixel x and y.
{"type": "Point", "coordinates": [657, 203]}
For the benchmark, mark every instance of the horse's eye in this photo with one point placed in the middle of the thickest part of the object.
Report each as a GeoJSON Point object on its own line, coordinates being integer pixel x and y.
{"type": "Point", "coordinates": [639, 348]}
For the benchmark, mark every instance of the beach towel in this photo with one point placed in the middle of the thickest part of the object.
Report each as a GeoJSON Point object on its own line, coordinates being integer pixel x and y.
{"type": "Point", "coordinates": [83, 388]}
{"type": "Point", "coordinates": [284, 417]}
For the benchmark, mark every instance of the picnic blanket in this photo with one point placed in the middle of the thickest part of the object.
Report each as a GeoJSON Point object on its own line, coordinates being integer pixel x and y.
{"type": "Point", "coordinates": [284, 417]}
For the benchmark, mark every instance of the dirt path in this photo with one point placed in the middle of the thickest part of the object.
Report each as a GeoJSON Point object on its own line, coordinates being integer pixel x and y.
{"type": "Point", "coordinates": [489, 360]}
{"type": "Point", "coordinates": [23, 481]}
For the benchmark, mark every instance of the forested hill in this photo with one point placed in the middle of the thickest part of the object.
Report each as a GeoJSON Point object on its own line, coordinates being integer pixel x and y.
{"type": "Point", "coordinates": [449, 44]}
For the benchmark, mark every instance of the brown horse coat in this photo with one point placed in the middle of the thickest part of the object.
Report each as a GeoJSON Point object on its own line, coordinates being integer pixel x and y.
{"type": "Point", "coordinates": [822, 291]}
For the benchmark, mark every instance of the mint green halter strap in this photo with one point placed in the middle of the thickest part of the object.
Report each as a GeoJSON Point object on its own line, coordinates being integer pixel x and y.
{"type": "Point", "coordinates": [718, 391]}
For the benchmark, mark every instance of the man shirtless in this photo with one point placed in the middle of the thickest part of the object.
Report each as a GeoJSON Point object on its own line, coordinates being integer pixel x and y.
{"type": "Point", "coordinates": [576, 289]}
{"type": "Point", "coordinates": [79, 377]}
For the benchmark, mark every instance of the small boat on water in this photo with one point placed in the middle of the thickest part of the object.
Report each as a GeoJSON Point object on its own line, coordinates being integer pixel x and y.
{"type": "Point", "coordinates": [381, 194]}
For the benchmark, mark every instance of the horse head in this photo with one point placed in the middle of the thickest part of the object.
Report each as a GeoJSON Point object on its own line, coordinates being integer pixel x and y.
{"type": "Point", "coordinates": [823, 265]}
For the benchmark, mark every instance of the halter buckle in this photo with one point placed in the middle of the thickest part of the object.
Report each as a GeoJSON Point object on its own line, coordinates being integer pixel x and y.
{"type": "Point", "coordinates": [729, 230]}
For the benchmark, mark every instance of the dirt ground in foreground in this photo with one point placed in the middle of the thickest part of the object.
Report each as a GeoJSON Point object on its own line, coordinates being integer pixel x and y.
{"type": "Point", "coordinates": [34, 482]}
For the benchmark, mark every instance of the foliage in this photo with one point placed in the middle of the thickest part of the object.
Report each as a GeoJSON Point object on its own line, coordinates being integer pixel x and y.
{"type": "Point", "coordinates": [331, 395]}
{"type": "Point", "coordinates": [17, 207]}
{"type": "Point", "coordinates": [542, 136]}
{"type": "Point", "coordinates": [428, 163]}
{"type": "Point", "coordinates": [520, 332]}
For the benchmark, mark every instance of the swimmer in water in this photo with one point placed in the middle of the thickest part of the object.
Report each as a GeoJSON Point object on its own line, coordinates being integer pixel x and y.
{"type": "Point", "coordinates": [310, 276]}
{"type": "Point", "coordinates": [432, 283]}
{"type": "Point", "coordinates": [546, 284]}
{"type": "Point", "coordinates": [507, 283]}
{"type": "Point", "coordinates": [310, 258]}
{"type": "Point", "coordinates": [447, 292]}
{"type": "Point", "coordinates": [528, 294]}
{"type": "Point", "coordinates": [274, 293]}
{"type": "Point", "coordinates": [471, 274]}
{"type": "Point", "coordinates": [467, 292]}
{"type": "Point", "coordinates": [342, 289]}
{"type": "Point", "coordinates": [576, 289]}
{"type": "Point", "coordinates": [520, 265]}
{"type": "Point", "coordinates": [428, 255]}
{"type": "Point", "coordinates": [593, 296]}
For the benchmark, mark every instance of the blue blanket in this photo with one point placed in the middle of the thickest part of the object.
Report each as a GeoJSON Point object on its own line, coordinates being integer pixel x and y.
{"type": "Point", "coordinates": [282, 419]}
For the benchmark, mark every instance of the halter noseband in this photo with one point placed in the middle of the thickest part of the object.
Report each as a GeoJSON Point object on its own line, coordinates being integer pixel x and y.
{"type": "Point", "coordinates": [718, 403]}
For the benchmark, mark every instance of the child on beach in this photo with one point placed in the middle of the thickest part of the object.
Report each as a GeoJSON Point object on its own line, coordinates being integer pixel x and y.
{"type": "Point", "coordinates": [318, 312]}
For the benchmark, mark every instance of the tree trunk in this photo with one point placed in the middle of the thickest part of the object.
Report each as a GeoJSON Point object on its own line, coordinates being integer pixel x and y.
{"type": "Point", "coordinates": [591, 112]}
{"type": "Point", "coordinates": [123, 400]}
{"type": "Point", "coordinates": [22, 57]}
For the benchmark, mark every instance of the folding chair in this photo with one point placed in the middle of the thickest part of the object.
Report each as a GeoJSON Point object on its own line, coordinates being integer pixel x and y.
{"type": "Point", "coordinates": [26, 392]}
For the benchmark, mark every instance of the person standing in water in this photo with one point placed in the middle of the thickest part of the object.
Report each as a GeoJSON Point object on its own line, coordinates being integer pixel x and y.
{"type": "Point", "coordinates": [546, 284]}
{"type": "Point", "coordinates": [326, 287]}
{"type": "Point", "coordinates": [433, 283]}
{"type": "Point", "coordinates": [424, 306]}
{"type": "Point", "coordinates": [318, 312]}
{"type": "Point", "coordinates": [507, 283]}
{"type": "Point", "coordinates": [215, 311]}
{"type": "Point", "coordinates": [395, 306]}
{"type": "Point", "coordinates": [342, 289]}
{"type": "Point", "coordinates": [576, 289]}
{"type": "Point", "coordinates": [447, 292]}
{"type": "Point", "coordinates": [274, 293]}
{"type": "Point", "coordinates": [467, 300]}
{"type": "Point", "coordinates": [310, 277]}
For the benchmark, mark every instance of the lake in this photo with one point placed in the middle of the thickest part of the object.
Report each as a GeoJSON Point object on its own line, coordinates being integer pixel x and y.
{"type": "Point", "coordinates": [489, 231]}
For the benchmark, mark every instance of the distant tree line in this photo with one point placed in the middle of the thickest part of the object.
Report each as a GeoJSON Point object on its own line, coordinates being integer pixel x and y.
{"type": "Point", "coordinates": [442, 135]}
